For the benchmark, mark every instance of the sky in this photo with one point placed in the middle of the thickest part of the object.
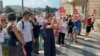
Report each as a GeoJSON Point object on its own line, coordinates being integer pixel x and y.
{"type": "Point", "coordinates": [33, 3]}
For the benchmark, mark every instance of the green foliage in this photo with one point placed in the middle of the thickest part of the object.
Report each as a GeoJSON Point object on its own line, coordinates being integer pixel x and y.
{"type": "Point", "coordinates": [5, 51]}
{"type": "Point", "coordinates": [8, 9]}
{"type": "Point", "coordinates": [50, 10]}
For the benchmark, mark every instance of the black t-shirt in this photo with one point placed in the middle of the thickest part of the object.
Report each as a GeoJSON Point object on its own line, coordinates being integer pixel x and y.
{"type": "Point", "coordinates": [70, 23]}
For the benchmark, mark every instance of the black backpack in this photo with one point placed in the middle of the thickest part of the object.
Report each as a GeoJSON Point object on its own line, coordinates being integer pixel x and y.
{"type": "Point", "coordinates": [23, 23]}
{"type": "Point", "coordinates": [30, 23]}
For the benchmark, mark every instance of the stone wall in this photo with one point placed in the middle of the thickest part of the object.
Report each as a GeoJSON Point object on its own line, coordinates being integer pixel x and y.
{"type": "Point", "coordinates": [94, 4]}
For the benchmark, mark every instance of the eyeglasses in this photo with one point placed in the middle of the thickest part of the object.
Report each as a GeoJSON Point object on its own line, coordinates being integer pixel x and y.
{"type": "Point", "coordinates": [3, 20]}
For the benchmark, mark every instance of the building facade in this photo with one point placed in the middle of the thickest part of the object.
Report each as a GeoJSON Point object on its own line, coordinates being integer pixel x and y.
{"type": "Point", "coordinates": [84, 6]}
{"type": "Point", "coordinates": [94, 4]}
{"type": "Point", "coordinates": [69, 6]}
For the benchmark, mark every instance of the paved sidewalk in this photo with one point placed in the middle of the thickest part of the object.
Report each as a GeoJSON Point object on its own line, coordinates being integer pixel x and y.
{"type": "Point", "coordinates": [90, 47]}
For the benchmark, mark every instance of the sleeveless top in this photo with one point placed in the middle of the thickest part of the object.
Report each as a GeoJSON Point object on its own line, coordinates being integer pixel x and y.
{"type": "Point", "coordinates": [13, 41]}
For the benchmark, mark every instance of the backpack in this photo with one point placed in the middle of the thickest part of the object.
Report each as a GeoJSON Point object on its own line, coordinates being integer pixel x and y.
{"type": "Point", "coordinates": [23, 23]}
{"type": "Point", "coordinates": [30, 23]}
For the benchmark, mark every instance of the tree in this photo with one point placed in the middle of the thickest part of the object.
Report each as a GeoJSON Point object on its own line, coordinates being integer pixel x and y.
{"type": "Point", "coordinates": [50, 9]}
{"type": "Point", "coordinates": [8, 9]}
{"type": "Point", "coordinates": [47, 9]}
{"type": "Point", "coordinates": [29, 9]}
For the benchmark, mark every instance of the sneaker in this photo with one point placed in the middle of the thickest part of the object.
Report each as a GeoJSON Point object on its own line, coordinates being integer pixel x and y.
{"type": "Point", "coordinates": [37, 52]}
{"type": "Point", "coordinates": [86, 38]}
{"type": "Point", "coordinates": [76, 41]}
{"type": "Point", "coordinates": [57, 45]}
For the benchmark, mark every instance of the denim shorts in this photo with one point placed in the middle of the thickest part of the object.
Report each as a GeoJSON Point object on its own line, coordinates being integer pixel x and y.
{"type": "Point", "coordinates": [76, 30]}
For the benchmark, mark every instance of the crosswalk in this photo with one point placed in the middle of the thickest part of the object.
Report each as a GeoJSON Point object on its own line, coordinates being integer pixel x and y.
{"type": "Point", "coordinates": [90, 47]}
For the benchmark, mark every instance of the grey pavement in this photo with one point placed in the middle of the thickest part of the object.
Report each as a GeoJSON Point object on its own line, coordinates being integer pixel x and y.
{"type": "Point", "coordinates": [89, 47]}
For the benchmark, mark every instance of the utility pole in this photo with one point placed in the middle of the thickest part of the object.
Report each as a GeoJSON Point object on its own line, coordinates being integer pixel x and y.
{"type": "Point", "coordinates": [22, 4]}
{"type": "Point", "coordinates": [86, 12]}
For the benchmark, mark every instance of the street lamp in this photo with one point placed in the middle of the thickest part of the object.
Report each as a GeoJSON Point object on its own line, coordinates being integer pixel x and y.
{"type": "Point", "coordinates": [22, 4]}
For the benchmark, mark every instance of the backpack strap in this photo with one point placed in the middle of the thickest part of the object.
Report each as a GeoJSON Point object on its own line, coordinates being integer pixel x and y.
{"type": "Point", "coordinates": [22, 24]}
{"type": "Point", "coordinates": [31, 23]}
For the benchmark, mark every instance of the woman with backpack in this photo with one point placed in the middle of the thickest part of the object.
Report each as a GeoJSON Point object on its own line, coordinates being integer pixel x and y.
{"type": "Point", "coordinates": [16, 41]}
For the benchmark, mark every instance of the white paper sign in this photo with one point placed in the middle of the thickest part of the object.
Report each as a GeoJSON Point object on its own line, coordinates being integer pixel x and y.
{"type": "Point", "coordinates": [57, 14]}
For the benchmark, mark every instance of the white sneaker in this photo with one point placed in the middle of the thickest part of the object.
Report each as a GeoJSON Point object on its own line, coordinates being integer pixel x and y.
{"type": "Point", "coordinates": [58, 46]}
{"type": "Point", "coordinates": [86, 38]}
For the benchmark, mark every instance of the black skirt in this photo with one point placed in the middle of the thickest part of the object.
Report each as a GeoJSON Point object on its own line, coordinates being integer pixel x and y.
{"type": "Point", "coordinates": [70, 29]}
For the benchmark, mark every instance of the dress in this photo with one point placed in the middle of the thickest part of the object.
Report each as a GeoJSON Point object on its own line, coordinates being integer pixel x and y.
{"type": "Point", "coordinates": [70, 26]}
{"type": "Point", "coordinates": [15, 48]}
{"type": "Point", "coordinates": [49, 42]}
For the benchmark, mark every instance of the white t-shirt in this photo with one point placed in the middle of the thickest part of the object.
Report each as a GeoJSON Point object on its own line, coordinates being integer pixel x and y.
{"type": "Point", "coordinates": [64, 26]}
{"type": "Point", "coordinates": [2, 33]}
{"type": "Point", "coordinates": [41, 21]}
{"type": "Point", "coordinates": [26, 32]}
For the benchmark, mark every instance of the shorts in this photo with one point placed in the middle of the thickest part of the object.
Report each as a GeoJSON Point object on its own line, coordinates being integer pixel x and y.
{"type": "Point", "coordinates": [88, 28]}
{"type": "Point", "coordinates": [70, 30]}
{"type": "Point", "coordinates": [76, 30]}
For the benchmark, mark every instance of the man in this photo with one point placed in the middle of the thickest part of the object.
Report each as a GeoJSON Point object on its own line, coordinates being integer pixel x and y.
{"type": "Point", "coordinates": [41, 21]}
{"type": "Point", "coordinates": [93, 20]}
{"type": "Point", "coordinates": [36, 32]}
{"type": "Point", "coordinates": [25, 28]}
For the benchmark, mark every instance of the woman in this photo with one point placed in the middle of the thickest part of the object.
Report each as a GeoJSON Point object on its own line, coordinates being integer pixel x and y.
{"type": "Point", "coordinates": [3, 24]}
{"type": "Point", "coordinates": [49, 42]}
{"type": "Point", "coordinates": [76, 28]}
{"type": "Point", "coordinates": [88, 27]}
{"type": "Point", "coordinates": [63, 24]}
{"type": "Point", "coordinates": [1, 34]}
{"type": "Point", "coordinates": [16, 41]}
{"type": "Point", "coordinates": [70, 28]}
{"type": "Point", "coordinates": [36, 32]}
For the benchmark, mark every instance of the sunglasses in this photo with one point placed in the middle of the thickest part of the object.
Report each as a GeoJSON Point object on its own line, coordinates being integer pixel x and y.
{"type": "Point", "coordinates": [3, 20]}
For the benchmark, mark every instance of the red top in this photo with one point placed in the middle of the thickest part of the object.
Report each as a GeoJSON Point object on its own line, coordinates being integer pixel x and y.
{"type": "Point", "coordinates": [88, 21]}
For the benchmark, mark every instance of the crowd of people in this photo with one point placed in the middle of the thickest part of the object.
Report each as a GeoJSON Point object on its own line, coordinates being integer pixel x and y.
{"type": "Point", "coordinates": [22, 33]}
